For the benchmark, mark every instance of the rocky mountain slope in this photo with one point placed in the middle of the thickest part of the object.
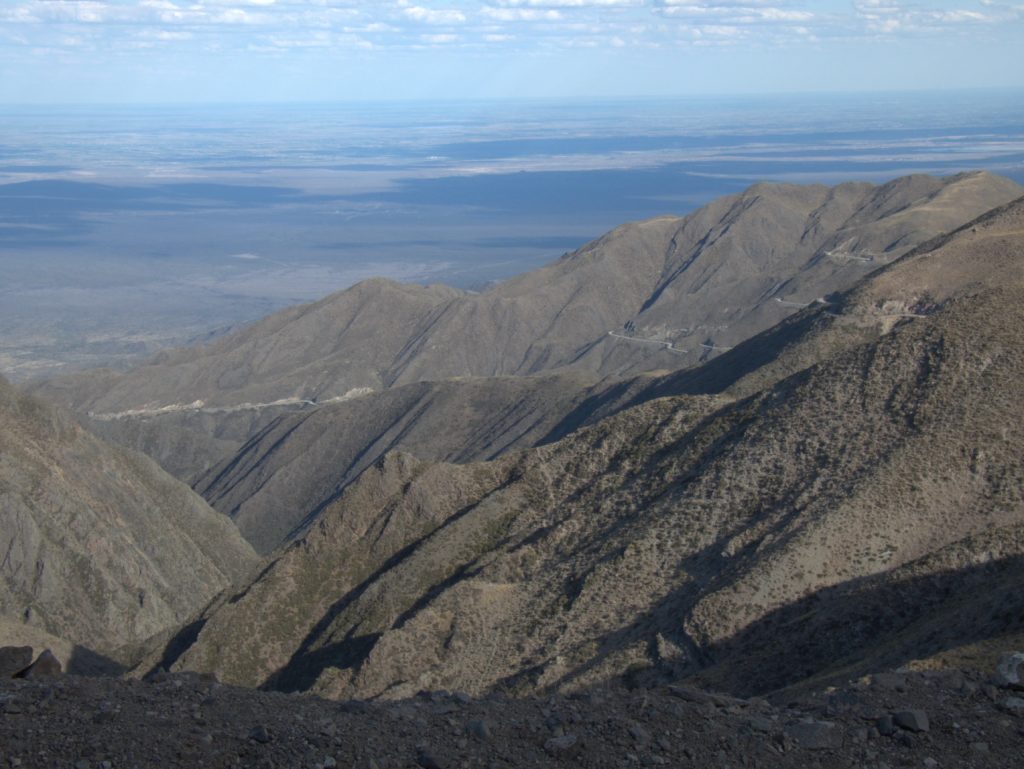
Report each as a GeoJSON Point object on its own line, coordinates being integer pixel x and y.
{"type": "Point", "coordinates": [100, 546]}
{"type": "Point", "coordinates": [274, 468]}
{"type": "Point", "coordinates": [289, 471]}
{"type": "Point", "coordinates": [828, 497]}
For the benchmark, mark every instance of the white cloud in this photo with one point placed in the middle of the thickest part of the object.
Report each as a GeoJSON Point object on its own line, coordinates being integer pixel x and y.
{"type": "Point", "coordinates": [167, 34]}
{"type": "Point", "coordinates": [887, 17]}
{"type": "Point", "coordinates": [19, 15]}
{"type": "Point", "coordinates": [81, 11]}
{"type": "Point", "coordinates": [719, 30]}
{"type": "Point", "coordinates": [956, 16]}
{"type": "Point", "coordinates": [745, 13]}
{"type": "Point", "coordinates": [541, 25]}
{"type": "Point", "coordinates": [316, 40]}
{"type": "Point", "coordinates": [440, 39]}
{"type": "Point", "coordinates": [521, 14]}
{"type": "Point", "coordinates": [780, 14]}
{"type": "Point", "coordinates": [572, 3]}
{"type": "Point", "coordinates": [432, 16]}
{"type": "Point", "coordinates": [263, 3]}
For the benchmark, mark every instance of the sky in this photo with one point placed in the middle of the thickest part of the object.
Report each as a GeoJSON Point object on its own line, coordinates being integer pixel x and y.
{"type": "Point", "coordinates": [153, 51]}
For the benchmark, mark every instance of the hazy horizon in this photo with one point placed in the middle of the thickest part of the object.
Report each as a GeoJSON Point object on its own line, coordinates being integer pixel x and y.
{"type": "Point", "coordinates": [866, 90]}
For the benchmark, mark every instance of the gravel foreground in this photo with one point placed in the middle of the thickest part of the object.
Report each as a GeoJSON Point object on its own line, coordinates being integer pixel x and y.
{"type": "Point", "coordinates": [929, 720]}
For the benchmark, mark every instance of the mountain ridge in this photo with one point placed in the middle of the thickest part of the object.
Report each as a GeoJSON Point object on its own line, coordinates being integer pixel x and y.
{"type": "Point", "coordinates": [561, 314]}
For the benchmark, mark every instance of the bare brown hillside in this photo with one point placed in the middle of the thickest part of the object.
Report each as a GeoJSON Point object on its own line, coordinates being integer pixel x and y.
{"type": "Point", "coordinates": [288, 472]}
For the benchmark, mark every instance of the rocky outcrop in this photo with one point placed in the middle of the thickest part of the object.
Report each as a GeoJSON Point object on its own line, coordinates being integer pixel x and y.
{"type": "Point", "coordinates": [46, 665]}
{"type": "Point", "coordinates": [14, 659]}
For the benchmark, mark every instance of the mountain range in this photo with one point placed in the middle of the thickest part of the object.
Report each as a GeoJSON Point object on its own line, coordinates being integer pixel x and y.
{"type": "Point", "coordinates": [535, 489]}
{"type": "Point", "coordinates": [711, 277]}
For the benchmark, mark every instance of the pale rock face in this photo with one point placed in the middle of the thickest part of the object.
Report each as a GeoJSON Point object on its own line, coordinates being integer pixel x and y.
{"type": "Point", "coordinates": [1010, 671]}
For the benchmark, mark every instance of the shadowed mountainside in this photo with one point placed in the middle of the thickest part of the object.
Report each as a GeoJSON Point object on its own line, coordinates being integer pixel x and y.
{"type": "Point", "coordinates": [876, 451]}
{"type": "Point", "coordinates": [100, 546]}
{"type": "Point", "coordinates": [289, 471]}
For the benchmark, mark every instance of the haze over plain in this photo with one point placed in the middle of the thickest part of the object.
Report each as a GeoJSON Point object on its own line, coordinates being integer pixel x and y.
{"type": "Point", "coordinates": [126, 229]}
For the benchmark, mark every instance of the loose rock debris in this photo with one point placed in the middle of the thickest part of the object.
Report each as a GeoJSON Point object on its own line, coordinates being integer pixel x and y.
{"type": "Point", "coordinates": [948, 720]}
